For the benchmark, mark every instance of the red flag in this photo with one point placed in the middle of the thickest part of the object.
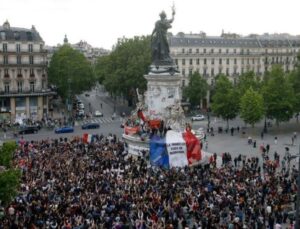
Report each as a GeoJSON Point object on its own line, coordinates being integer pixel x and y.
{"type": "Point", "coordinates": [192, 147]}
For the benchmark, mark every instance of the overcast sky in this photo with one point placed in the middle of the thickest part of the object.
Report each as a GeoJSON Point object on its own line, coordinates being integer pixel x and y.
{"type": "Point", "coordinates": [102, 22]}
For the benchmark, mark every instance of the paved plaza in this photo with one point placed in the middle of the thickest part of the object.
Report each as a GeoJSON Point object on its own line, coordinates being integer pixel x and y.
{"type": "Point", "coordinates": [238, 143]}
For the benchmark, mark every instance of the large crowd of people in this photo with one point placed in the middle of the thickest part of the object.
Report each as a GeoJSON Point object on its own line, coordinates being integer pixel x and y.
{"type": "Point", "coordinates": [67, 183]}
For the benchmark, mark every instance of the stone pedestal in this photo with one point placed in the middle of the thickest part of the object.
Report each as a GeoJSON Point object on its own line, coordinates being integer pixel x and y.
{"type": "Point", "coordinates": [163, 91]}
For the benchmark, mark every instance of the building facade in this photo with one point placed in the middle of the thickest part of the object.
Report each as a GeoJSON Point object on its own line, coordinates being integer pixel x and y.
{"type": "Point", "coordinates": [24, 92]}
{"type": "Point", "coordinates": [231, 54]}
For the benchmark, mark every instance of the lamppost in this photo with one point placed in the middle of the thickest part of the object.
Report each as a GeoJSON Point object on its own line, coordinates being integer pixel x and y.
{"type": "Point", "coordinates": [68, 100]}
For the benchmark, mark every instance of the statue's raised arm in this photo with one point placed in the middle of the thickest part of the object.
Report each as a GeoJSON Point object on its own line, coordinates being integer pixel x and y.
{"type": "Point", "coordinates": [159, 42]}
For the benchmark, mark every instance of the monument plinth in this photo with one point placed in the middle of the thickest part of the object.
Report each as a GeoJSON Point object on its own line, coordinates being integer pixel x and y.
{"type": "Point", "coordinates": [157, 125]}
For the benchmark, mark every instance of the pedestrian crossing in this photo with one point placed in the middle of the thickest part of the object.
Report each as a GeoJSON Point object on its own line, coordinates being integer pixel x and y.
{"type": "Point", "coordinates": [95, 120]}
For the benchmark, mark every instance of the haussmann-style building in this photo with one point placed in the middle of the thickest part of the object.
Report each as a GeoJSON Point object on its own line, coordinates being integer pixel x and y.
{"type": "Point", "coordinates": [24, 92]}
{"type": "Point", "coordinates": [231, 55]}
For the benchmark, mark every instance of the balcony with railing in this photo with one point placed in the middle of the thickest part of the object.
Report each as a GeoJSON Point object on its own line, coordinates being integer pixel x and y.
{"type": "Point", "coordinates": [26, 92]}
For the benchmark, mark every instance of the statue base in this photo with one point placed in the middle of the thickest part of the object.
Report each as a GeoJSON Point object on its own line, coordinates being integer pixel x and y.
{"type": "Point", "coordinates": [158, 69]}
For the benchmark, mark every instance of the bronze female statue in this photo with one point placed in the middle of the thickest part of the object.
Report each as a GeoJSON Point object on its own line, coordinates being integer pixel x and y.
{"type": "Point", "coordinates": [159, 43]}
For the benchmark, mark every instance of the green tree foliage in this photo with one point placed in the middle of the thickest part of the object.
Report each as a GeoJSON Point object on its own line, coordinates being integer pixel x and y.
{"type": "Point", "coordinates": [196, 90]}
{"type": "Point", "coordinates": [225, 102]}
{"type": "Point", "coordinates": [251, 107]}
{"type": "Point", "coordinates": [279, 98]}
{"type": "Point", "coordinates": [69, 69]}
{"type": "Point", "coordinates": [9, 178]}
{"type": "Point", "coordinates": [9, 183]}
{"type": "Point", "coordinates": [246, 81]}
{"type": "Point", "coordinates": [6, 154]}
{"type": "Point", "coordinates": [124, 68]}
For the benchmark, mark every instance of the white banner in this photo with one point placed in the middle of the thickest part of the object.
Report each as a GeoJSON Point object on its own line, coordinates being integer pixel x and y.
{"type": "Point", "coordinates": [136, 150]}
{"type": "Point", "coordinates": [176, 147]}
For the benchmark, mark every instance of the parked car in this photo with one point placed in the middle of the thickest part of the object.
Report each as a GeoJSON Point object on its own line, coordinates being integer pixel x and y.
{"type": "Point", "coordinates": [87, 94]}
{"type": "Point", "coordinates": [65, 129]}
{"type": "Point", "coordinates": [28, 130]}
{"type": "Point", "coordinates": [81, 106]}
{"type": "Point", "coordinates": [98, 114]}
{"type": "Point", "coordinates": [90, 126]}
{"type": "Point", "coordinates": [80, 113]}
{"type": "Point", "coordinates": [198, 117]}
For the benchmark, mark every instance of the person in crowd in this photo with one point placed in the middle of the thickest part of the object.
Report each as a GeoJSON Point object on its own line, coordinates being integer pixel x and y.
{"type": "Point", "coordinates": [67, 183]}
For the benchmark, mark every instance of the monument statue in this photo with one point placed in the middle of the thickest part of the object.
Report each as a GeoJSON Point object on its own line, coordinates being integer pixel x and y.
{"type": "Point", "coordinates": [159, 44]}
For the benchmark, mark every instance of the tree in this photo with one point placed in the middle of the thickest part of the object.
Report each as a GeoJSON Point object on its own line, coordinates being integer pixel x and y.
{"type": "Point", "coordinates": [278, 96]}
{"type": "Point", "coordinates": [9, 183]}
{"type": "Point", "coordinates": [70, 72]}
{"type": "Point", "coordinates": [124, 68]}
{"type": "Point", "coordinates": [246, 81]}
{"type": "Point", "coordinates": [196, 90]}
{"type": "Point", "coordinates": [9, 178]}
{"type": "Point", "coordinates": [251, 107]}
{"type": "Point", "coordinates": [225, 101]}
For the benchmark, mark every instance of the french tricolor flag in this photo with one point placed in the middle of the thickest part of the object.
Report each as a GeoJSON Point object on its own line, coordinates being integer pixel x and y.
{"type": "Point", "coordinates": [87, 138]}
{"type": "Point", "coordinates": [176, 149]}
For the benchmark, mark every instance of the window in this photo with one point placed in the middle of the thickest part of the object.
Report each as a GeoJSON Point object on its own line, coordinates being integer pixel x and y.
{"type": "Point", "coordinates": [190, 71]}
{"type": "Point", "coordinates": [212, 72]}
{"type": "Point", "coordinates": [18, 48]}
{"type": "Point", "coordinates": [4, 47]}
{"type": "Point", "coordinates": [248, 62]}
{"type": "Point", "coordinates": [227, 61]}
{"type": "Point", "coordinates": [20, 86]}
{"type": "Point", "coordinates": [212, 61]}
{"type": "Point", "coordinates": [234, 61]}
{"type": "Point", "coordinates": [30, 59]}
{"type": "Point", "coordinates": [234, 51]}
{"type": "Point", "coordinates": [197, 61]}
{"type": "Point", "coordinates": [234, 71]}
{"type": "Point", "coordinates": [5, 59]}
{"type": "Point", "coordinates": [220, 70]}
{"type": "Point", "coordinates": [182, 50]}
{"type": "Point", "coordinates": [248, 51]}
{"type": "Point", "coordinates": [19, 71]}
{"type": "Point", "coordinates": [253, 61]}
{"type": "Point", "coordinates": [43, 84]}
{"type": "Point", "coordinates": [204, 60]}
{"type": "Point", "coordinates": [183, 83]}
{"type": "Point", "coordinates": [242, 51]}
{"type": "Point", "coordinates": [204, 71]}
{"type": "Point", "coordinates": [266, 51]}
{"type": "Point", "coordinates": [31, 72]}
{"type": "Point", "coordinates": [6, 87]}
{"type": "Point", "coordinates": [190, 50]}
{"type": "Point", "coordinates": [191, 61]}
{"type": "Point", "coordinates": [212, 50]}
{"type": "Point", "coordinates": [30, 48]}
{"type": "Point", "coordinates": [19, 60]}
{"type": "Point", "coordinates": [242, 70]}
{"type": "Point", "coordinates": [41, 47]}
{"type": "Point", "coordinates": [176, 61]}
{"type": "Point", "coordinates": [32, 86]}
{"type": "Point", "coordinates": [183, 61]}
{"type": "Point", "coordinates": [220, 61]}
{"type": "Point", "coordinates": [220, 50]}
{"type": "Point", "coordinates": [227, 71]}
{"type": "Point", "coordinates": [204, 50]}
{"type": "Point", "coordinates": [197, 50]}
{"type": "Point", "coordinates": [183, 72]}
{"type": "Point", "coordinates": [242, 61]}
{"type": "Point", "coordinates": [6, 72]}
{"type": "Point", "coordinates": [227, 51]}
